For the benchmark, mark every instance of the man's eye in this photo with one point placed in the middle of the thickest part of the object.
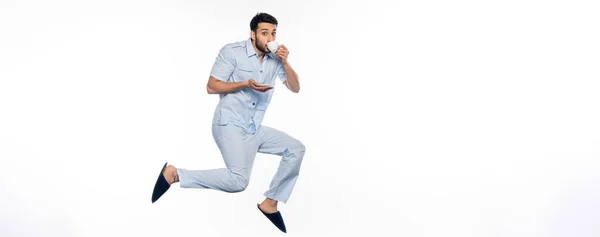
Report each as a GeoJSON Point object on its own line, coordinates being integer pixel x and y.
{"type": "Point", "coordinates": [264, 33]}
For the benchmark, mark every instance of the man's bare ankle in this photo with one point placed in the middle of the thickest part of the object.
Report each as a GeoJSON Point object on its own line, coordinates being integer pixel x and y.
{"type": "Point", "coordinates": [270, 202]}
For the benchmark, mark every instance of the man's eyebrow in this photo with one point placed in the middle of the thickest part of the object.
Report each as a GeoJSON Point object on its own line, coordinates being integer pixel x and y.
{"type": "Point", "coordinates": [263, 29]}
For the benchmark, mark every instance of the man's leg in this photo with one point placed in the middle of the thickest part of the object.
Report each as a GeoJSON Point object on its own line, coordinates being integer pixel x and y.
{"type": "Point", "coordinates": [291, 150]}
{"type": "Point", "coordinates": [238, 150]}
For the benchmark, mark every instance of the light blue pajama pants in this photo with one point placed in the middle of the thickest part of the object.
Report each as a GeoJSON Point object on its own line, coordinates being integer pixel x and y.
{"type": "Point", "coordinates": [239, 150]}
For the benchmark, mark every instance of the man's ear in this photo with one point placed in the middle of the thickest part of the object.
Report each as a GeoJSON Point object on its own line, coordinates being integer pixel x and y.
{"type": "Point", "coordinates": [252, 35]}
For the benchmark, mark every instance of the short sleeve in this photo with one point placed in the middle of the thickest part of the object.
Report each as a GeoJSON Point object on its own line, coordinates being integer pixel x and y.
{"type": "Point", "coordinates": [224, 64]}
{"type": "Point", "coordinates": [281, 73]}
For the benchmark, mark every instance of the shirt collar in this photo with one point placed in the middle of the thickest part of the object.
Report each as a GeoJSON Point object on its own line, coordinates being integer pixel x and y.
{"type": "Point", "coordinates": [250, 49]}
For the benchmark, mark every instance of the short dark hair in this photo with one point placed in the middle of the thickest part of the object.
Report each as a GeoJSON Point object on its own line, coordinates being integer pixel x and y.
{"type": "Point", "coordinates": [261, 17]}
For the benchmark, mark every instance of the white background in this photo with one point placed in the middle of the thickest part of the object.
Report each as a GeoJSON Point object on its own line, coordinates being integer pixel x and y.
{"type": "Point", "coordinates": [436, 118]}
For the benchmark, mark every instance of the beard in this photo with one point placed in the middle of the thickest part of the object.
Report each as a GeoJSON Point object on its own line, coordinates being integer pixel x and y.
{"type": "Point", "coordinates": [261, 48]}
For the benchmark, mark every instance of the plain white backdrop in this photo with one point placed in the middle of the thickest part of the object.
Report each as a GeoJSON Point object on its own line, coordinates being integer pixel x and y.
{"type": "Point", "coordinates": [428, 118]}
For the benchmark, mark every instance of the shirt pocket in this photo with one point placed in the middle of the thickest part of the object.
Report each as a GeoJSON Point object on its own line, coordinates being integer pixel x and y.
{"type": "Point", "coordinates": [244, 73]}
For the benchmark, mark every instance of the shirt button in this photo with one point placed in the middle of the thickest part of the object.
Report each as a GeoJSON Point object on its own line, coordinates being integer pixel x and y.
{"type": "Point", "coordinates": [252, 103]}
{"type": "Point", "coordinates": [260, 71]}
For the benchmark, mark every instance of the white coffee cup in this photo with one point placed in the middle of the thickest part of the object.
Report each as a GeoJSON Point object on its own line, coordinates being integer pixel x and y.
{"type": "Point", "coordinates": [273, 46]}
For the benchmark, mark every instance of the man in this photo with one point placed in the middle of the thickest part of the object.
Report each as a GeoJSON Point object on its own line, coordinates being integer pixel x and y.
{"type": "Point", "coordinates": [244, 75]}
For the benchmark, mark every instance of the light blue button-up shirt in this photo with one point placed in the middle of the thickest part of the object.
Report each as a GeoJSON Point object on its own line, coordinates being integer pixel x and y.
{"type": "Point", "coordinates": [239, 62]}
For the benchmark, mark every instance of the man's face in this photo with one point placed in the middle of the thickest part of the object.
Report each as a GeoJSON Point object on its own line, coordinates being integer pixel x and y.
{"type": "Point", "coordinates": [265, 33]}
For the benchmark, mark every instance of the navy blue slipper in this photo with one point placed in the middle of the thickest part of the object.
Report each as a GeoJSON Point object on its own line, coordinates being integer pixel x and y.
{"type": "Point", "coordinates": [161, 185]}
{"type": "Point", "coordinates": [275, 218]}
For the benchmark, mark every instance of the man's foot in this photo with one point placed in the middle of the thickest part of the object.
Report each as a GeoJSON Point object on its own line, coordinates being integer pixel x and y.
{"type": "Point", "coordinates": [268, 206]}
{"type": "Point", "coordinates": [274, 217]}
{"type": "Point", "coordinates": [170, 174]}
{"type": "Point", "coordinates": [166, 177]}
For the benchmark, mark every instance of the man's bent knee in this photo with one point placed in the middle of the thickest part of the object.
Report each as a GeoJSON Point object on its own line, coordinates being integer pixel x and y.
{"type": "Point", "coordinates": [239, 186]}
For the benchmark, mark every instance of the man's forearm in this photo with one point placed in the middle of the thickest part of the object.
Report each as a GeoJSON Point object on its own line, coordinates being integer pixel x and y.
{"type": "Point", "coordinates": [292, 78]}
{"type": "Point", "coordinates": [215, 86]}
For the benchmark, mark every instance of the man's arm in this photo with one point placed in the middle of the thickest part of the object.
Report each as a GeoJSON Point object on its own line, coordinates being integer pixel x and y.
{"type": "Point", "coordinates": [291, 77]}
{"type": "Point", "coordinates": [291, 82]}
{"type": "Point", "coordinates": [215, 86]}
{"type": "Point", "coordinates": [223, 68]}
